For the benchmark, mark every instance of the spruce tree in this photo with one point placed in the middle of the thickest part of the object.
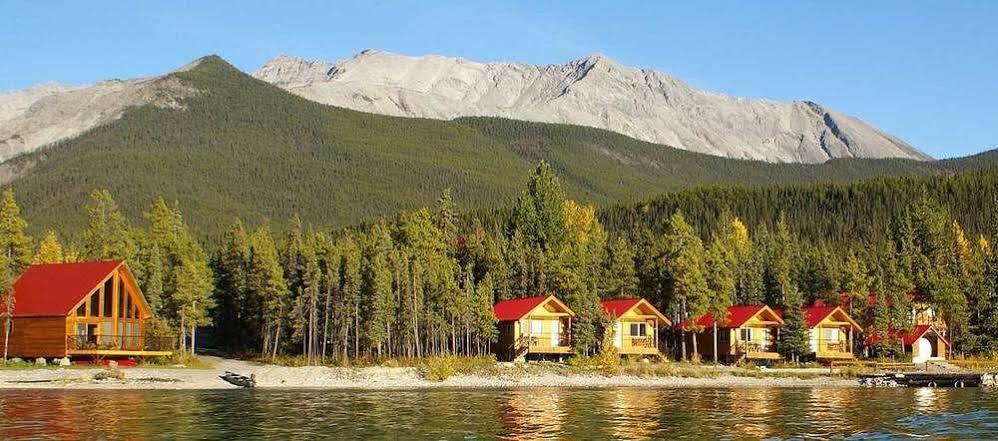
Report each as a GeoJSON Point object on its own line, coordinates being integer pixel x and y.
{"type": "Point", "coordinates": [14, 242]}
{"type": "Point", "coordinates": [49, 249]}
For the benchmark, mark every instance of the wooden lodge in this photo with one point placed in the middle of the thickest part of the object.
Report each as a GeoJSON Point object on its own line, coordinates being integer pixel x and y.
{"type": "Point", "coordinates": [92, 309]}
{"type": "Point", "coordinates": [832, 332]}
{"type": "Point", "coordinates": [533, 327]}
{"type": "Point", "coordinates": [636, 325]}
{"type": "Point", "coordinates": [749, 332]}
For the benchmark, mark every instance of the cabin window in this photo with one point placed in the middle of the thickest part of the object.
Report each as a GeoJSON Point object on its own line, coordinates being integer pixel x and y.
{"type": "Point", "coordinates": [536, 327]}
{"type": "Point", "coordinates": [94, 304]}
{"type": "Point", "coordinates": [831, 334]}
{"type": "Point", "coordinates": [746, 334]}
{"type": "Point", "coordinates": [109, 298]}
{"type": "Point", "coordinates": [638, 329]}
{"type": "Point", "coordinates": [81, 311]}
{"type": "Point", "coordinates": [723, 336]}
{"type": "Point", "coordinates": [127, 301]}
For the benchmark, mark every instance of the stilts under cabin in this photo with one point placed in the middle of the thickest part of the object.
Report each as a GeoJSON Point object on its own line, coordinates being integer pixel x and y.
{"type": "Point", "coordinates": [86, 309]}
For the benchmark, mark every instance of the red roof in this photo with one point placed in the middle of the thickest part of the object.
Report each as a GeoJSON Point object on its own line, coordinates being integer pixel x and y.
{"type": "Point", "coordinates": [54, 289]}
{"type": "Point", "coordinates": [908, 338]}
{"type": "Point", "coordinates": [618, 307]}
{"type": "Point", "coordinates": [512, 310]}
{"type": "Point", "coordinates": [815, 314]}
{"type": "Point", "coordinates": [737, 316]}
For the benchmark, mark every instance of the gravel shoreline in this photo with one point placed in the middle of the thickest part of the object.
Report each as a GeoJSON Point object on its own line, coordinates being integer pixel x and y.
{"type": "Point", "coordinates": [368, 378]}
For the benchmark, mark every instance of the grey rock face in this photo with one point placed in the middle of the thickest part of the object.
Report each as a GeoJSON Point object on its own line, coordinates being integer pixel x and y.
{"type": "Point", "coordinates": [594, 91]}
{"type": "Point", "coordinates": [42, 115]}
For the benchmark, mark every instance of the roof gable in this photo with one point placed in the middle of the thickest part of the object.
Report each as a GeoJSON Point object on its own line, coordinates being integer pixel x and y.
{"type": "Point", "coordinates": [819, 315]}
{"type": "Point", "coordinates": [619, 307]}
{"type": "Point", "coordinates": [738, 315]}
{"type": "Point", "coordinates": [55, 289]}
{"type": "Point", "coordinates": [516, 309]}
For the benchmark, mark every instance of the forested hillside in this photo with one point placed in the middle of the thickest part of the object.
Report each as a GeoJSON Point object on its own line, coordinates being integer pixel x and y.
{"type": "Point", "coordinates": [243, 148]}
{"type": "Point", "coordinates": [422, 282]}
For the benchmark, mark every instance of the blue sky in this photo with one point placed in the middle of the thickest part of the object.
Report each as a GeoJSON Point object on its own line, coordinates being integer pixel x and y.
{"type": "Point", "coordinates": [924, 71]}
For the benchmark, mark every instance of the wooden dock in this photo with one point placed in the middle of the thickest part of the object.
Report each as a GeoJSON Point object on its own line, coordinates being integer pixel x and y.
{"type": "Point", "coordinates": [930, 379]}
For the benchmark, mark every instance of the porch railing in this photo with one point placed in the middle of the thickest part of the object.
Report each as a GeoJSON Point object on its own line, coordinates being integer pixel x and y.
{"type": "Point", "coordinates": [642, 342]}
{"type": "Point", "coordinates": [120, 342]}
{"type": "Point", "coordinates": [745, 347]}
{"type": "Point", "coordinates": [545, 340]}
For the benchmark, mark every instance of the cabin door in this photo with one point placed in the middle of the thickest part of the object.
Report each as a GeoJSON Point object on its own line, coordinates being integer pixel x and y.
{"type": "Point", "coordinates": [923, 350]}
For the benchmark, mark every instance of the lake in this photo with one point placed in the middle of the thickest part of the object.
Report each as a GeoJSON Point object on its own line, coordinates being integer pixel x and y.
{"type": "Point", "coordinates": [630, 413]}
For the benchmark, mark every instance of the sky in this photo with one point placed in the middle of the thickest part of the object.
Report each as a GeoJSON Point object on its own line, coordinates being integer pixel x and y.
{"type": "Point", "coordinates": [924, 71]}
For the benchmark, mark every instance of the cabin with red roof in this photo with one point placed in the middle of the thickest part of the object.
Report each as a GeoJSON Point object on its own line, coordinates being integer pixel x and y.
{"type": "Point", "coordinates": [534, 327]}
{"type": "Point", "coordinates": [85, 309]}
{"type": "Point", "coordinates": [635, 325]}
{"type": "Point", "coordinates": [924, 342]}
{"type": "Point", "coordinates": [832, 332]}
{"type": "Point", "coordinates": [748, 332]}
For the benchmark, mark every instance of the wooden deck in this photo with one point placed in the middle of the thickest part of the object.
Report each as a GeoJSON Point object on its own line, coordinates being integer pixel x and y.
{"type": "Point", "coordinates": [119, 353]}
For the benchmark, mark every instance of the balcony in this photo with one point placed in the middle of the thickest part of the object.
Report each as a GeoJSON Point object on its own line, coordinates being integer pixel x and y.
{"type": "Point", "coordinates": [547, 343]}
{"type": "Point", "coordinates": [757, 350]}
{"type": "Point", "coordinates": [638, 344]}
{"type": "Point", "coordinates": [834, 350]}
{"type": "Point", "coordinates": [124, 345]}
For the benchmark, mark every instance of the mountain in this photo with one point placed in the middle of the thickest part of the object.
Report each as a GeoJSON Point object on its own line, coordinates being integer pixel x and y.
{"type": "Point", "coordinates": [41, 115]}
{"type": "Point", "coordinates": [594, 91]}
{"type": "Point", "coordinates": [234, 146]}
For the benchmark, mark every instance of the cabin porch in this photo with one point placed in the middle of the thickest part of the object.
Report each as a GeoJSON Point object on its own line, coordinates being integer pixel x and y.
{"type": "Point", "coordinates": [636, 336]}
{"type": "Point", "coordinates": [833, 342]}
{"type": "Point", "coordinates": [756, 343]}
{"type": "Point", "coordinates": [118, 345]}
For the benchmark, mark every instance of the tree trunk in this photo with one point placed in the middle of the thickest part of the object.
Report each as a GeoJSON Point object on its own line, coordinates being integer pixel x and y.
{"type": "Point", "coordinates": [6, 336]}
{"type": "Point", "coordinates": [193, 338]}
{"type": "Point", "coordinates": [696, 353]}
{"type": "Point", "coordinates": [683, 353]}
{"type": "Point", "coordinates": [277, 340]}
{"type": "Point", "coordinates": [715, 342]}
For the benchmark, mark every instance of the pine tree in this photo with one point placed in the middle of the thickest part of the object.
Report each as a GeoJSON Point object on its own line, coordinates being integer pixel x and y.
{"type": "Point", "coordinates": [108, 234]}
{"type": "Point", "coordinates": [193, 299]}
{"type": "Point", "coordinates": [686, 266]}
{"type": "Point", "coordinates": [14, 242]}
{"type": "Point", "coordinates": [620, 280]}
{"type": "Point", "coordinates": [49, 249]}
{"type": "Point", "coordinates": [233, 316]}
{"type": "Point", "coordinates": [795, 335]}
{"type": "Point", "coordinates": [267, 287]}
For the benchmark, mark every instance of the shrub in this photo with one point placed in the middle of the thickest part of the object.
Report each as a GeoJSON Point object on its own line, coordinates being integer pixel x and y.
{"type": "Point", "coordinates": [442, 368]}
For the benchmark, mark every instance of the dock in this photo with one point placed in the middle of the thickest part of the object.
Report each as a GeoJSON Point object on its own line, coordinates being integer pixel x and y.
{"type": "Point", "coordinates": [930, 379]}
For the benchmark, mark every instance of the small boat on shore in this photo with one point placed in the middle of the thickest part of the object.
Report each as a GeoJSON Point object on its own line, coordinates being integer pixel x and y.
{"type": "Point", "coordinates": [239, 380]}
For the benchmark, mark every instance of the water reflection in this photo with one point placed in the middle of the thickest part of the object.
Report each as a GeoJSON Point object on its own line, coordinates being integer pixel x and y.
{"type": "Point", "coordinates": [534, 414]}
{"type": "Point", "coordinates": [628, 414]}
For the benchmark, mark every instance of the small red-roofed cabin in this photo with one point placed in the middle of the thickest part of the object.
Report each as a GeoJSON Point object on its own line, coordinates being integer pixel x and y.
{"type": "Point", "coordinates": [635, 325]}
{"type": "Point", "coordinates": [80, 309]}
{"type": "Point", "coordinates": [533, 327]}
{"type": "Point", "coordinates": [749, 332]}
{"type": "Point", "coordinates": [924, 343]}
{"type": "Point", "coordinates": [832, 332]}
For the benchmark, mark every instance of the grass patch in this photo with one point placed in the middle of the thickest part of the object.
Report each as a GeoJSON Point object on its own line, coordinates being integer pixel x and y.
{"type": "Point", "coordinates": [184, 360]}
{"type": "Point", "coordinates": [442, 368]}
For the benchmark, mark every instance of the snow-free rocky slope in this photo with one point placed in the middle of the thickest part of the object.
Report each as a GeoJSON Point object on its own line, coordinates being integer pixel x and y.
{"type": "Point", "coordinates": [239, 147]}
{"type": "Point", "coordinates": [594, 91]}
{"type": "Point", "coordinates": [51, 112]}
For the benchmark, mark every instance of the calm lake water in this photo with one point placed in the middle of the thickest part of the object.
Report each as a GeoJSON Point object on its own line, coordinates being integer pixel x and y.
{"type": "Point", "coordinates": [509, 414]}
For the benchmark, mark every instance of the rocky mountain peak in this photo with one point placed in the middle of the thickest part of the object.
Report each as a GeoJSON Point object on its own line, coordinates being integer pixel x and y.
{"type": "Point", "coordinates": [593, 91]}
